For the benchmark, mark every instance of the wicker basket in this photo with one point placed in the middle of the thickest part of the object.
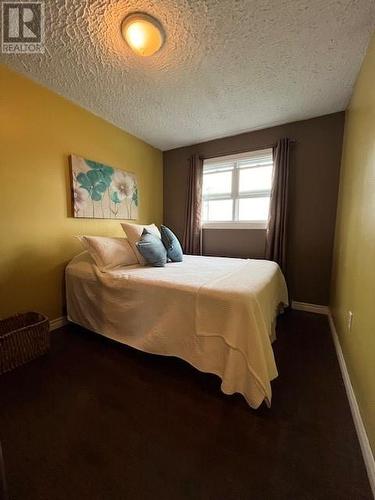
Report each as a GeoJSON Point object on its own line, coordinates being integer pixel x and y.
{"type": "Point", "coordinates": [22, 338]}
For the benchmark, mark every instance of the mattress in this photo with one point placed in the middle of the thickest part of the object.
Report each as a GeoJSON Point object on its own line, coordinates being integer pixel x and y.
{"type": "Point", "coordinates": [216, 313]}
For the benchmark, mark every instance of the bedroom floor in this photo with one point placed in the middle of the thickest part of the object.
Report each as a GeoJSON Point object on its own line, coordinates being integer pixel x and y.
{"type": "Point", "coordinates": [97, 420]}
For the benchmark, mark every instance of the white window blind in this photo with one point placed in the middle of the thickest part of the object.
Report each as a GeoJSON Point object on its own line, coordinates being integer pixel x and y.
{"type": "Point", "coordinates": [237, 189]}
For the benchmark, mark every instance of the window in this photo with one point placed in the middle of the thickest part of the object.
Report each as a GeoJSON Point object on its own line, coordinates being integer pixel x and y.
{"type": "Point", "coordinates": [237, 190]}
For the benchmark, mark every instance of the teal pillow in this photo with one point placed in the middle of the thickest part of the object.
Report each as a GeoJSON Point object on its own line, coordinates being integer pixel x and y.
{"type": "Point", "coordinates": [171, 243]}
{"type": "Point", "coordinates": [152, 249]}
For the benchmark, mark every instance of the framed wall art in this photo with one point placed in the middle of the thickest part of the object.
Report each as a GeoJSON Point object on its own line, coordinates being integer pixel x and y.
{"type": "Point", "coordinates": [103, 192]}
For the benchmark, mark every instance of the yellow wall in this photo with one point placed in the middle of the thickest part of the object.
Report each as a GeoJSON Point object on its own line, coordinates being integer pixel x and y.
{"type": "Point", "coordinates": [354, 264]}
{"type": "Point", "coordinates": [38, 131]}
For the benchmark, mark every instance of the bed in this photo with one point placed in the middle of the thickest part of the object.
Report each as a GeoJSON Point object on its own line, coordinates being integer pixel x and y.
{"type": "Point", "coordinates": [216, 313]}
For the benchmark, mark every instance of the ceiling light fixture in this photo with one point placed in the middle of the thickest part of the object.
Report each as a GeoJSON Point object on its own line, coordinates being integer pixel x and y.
{"type": "Point", "coordinates": [143, 33]}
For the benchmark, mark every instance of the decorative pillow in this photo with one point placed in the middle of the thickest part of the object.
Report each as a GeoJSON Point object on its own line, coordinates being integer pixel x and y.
{"type": "Point", "coordinates": [134, 233]}
{"type": "Point", "coordinates": [152, 249]}
{"type": "Point", "coordinates": [171, 243]}
{"type": "Point", "coordinates": [109, 253]}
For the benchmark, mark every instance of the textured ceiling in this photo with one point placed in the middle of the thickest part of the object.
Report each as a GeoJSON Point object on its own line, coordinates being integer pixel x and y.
{"type": "Point", "coordinates": [228, 66]}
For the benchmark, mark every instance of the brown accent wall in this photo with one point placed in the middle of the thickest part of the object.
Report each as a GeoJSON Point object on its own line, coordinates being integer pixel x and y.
{"type": "Point", "coordinates": [313, 192]}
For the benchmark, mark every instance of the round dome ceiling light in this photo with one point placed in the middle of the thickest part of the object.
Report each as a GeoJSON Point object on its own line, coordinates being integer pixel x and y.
{"type": "Point", "coordinates": [143, 33]}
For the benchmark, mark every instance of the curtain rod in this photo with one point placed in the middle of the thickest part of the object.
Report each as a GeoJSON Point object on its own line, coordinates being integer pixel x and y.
{"type": "Point", "coordinates": [239, 151]}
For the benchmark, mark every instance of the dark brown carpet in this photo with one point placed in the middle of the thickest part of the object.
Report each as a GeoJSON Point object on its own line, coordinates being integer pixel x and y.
{"type": "Point", "coordinates": [98, 420]}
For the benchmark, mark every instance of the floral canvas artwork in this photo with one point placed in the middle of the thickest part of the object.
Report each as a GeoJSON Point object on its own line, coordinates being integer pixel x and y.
{"type": "Point", "coordinates": [103, 192]}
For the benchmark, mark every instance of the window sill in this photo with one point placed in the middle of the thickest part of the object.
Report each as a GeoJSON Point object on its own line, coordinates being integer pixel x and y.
{"type": "Point", "coordinates": [235, 225]}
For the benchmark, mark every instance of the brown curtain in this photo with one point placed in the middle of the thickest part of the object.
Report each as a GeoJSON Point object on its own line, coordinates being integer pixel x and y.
{"type": "Point", "coordinates": [192, 240]}
{"type": "Point", "coordinates": [277, 222]}
{"type": "Point", "coordinates": [3, 488]}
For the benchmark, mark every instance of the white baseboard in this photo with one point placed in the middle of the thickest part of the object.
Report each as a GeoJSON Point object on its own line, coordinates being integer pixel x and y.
{"type": "Point", "coordinates": [368, 456]}
{"type": "Point", "coordinates": [56, 323]}
{"type": "Point", "coordinates": [313, 308]}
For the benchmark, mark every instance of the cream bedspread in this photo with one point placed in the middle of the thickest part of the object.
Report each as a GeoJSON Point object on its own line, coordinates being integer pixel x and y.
{"type": "Point", "coordinates": [216, 313]}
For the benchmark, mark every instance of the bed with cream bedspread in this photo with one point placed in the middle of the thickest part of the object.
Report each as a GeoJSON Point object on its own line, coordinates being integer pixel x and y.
{"type": "Point", "coordinates": [216, 313]}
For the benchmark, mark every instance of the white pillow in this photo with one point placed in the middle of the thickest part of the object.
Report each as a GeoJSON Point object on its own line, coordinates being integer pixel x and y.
{"type": "Point", "coordinates": [109, 253]}
{"type": "Point", "coordinates": [134, 233]}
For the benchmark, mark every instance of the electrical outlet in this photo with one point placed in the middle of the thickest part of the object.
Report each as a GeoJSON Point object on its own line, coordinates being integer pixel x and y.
{"type": "Point", "coordinates": [350, 321]}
